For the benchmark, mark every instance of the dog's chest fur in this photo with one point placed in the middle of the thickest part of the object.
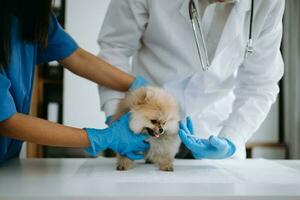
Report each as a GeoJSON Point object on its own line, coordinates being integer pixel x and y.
{"type": "Point", "coordinates": [158, 146]}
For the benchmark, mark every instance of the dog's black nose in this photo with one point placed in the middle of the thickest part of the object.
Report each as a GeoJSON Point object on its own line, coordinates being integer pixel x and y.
{"type": "Point", "coordinates": [161, 130]}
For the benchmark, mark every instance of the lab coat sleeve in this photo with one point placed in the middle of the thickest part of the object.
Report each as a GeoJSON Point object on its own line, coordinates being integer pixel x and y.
{"type": "Point", "coordinates": [119, 38]}
{"type": "Point", "coordinates": [7, 104]}
{"type": "Point", "coordinates": [257, 81]}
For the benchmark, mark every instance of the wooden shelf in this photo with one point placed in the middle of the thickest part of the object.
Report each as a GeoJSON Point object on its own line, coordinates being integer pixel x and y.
{"type": "Point", "coordinates": [47, 81]}
{"type": "Point", "coordinates": [40, 88]}
{"type": "Point", "coordinates": [252, 145]}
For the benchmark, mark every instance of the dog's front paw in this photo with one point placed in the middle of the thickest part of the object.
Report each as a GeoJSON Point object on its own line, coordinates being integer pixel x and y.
{"type": "Point", "coordinates": [166, 167]}
{"type": "Point", "coordinates": [123, 168]}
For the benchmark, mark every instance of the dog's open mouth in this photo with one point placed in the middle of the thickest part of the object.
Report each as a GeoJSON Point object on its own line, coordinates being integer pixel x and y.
{"type": "Point", "coordinates": [152, 133]}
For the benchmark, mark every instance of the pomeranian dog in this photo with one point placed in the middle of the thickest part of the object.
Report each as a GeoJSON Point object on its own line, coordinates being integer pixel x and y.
{"type": "Point", "coordinates": [156, 113]}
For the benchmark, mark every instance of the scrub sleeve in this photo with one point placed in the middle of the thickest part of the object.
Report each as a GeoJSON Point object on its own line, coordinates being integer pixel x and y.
{"type": "Point", "coordinates": [16, 79]}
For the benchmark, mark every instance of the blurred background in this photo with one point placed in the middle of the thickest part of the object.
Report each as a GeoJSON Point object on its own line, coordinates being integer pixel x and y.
{"type": "Point", "coordinates": [62, 97]}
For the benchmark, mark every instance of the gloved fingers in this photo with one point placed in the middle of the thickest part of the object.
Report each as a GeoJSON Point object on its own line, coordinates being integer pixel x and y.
{"type": "Point", "coordinates": [218, 143]}
{"type": "Point", "coordinates": [123, 120]}
{"type": "Point", "coordinates": [197, 147]}
{"type": "Point", "coordinates": [204, 142]}
{"type": "Point", "coordinates": [186, 135]}
{"type": "Point", "coordinates": [143, 137]}
{"type": "Point", "coordinates": [138, 82]}
{"type": "Point", "coordinates": [141, 141]}
{"type": "Point", "coordinates": [142, 146]}
{"type": "Point", "coordinates": [125, 116]}
{"type": "Point", "coordinates": [183, 127]}
{"type": "Point", "coordinates": [184, 138]}
{"type": "Point", "coordinates": [189, 142]}
{"type": "Point", "coordinates": [190, 126]}
{"type": "Point", "coordinates": [135, 156]}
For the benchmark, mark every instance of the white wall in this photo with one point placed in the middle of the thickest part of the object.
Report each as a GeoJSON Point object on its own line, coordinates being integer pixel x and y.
{"type": "Point", "coordinates": [269, 131]}
{"type": "Point", "coordinates": [81, 99]}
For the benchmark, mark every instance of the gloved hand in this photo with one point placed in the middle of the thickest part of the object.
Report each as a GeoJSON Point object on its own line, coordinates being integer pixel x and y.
{"type": "Point", "coordinates": [213, 148]}
{"type": "Point", "coordinates": [131, 155]}
{"type": "Point", "coordinates": [119, 138]}
{"type": "Point", "coordinates": [138, 82]}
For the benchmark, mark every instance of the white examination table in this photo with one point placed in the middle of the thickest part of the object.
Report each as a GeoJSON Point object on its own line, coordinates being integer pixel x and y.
{"type": "Point", "coordinates": [64, 179]}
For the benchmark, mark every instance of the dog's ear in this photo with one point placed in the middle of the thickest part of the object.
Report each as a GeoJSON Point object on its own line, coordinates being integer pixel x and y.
{"type": "Point", "coordinates": [142, 96]}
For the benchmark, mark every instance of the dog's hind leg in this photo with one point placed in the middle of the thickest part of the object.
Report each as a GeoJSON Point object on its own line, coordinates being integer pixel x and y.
{"type": "Point", "coordinates": [164, 161]}
{"type": "Point", "coordinates": [165, 164]}
{"type": "Point", "coordinates": [148, 160]}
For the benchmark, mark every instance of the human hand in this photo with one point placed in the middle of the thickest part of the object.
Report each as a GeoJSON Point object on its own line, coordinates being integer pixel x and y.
{"type": "Point", "coordinates": [213, 148]}
{"type": "Point", "coordinates": [119, 138]}
{"type": "Point", "coordinates": [138, 82]}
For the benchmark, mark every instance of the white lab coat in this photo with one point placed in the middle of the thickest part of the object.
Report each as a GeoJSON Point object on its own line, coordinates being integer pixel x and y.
{"type": "Point", "coordinates": [231, 99]}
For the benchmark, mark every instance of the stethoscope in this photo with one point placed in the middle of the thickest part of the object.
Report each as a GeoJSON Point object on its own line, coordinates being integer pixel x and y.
{"type": "Point", "coordinates": [199, 35]}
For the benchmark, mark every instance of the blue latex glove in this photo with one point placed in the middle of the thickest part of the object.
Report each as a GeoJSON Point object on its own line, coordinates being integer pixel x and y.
{"type": "Point", "coordinates": [212, 148]}
{"type": "Point", "coordinates": [138, 82]}
{"type": "Point", "coordinates": [131, 155]}
{"type": "Point", "coordinates": [119, 138]}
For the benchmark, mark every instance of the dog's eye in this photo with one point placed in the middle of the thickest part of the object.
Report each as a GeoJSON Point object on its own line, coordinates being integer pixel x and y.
{"type": "Point", "coordinates": [153, 121]}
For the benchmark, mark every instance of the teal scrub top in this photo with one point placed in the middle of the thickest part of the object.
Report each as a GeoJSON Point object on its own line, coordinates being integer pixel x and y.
{"type": "Point", "coordinates": [16, 79]}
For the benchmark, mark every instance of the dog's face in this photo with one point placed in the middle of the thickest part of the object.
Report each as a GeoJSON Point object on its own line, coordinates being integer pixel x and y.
{"type": "Point", "coordinates": [153, 111]}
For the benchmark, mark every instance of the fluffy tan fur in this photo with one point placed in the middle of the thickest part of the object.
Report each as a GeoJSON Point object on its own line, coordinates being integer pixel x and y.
{"type": "Point", "coordinates": [156, 113]}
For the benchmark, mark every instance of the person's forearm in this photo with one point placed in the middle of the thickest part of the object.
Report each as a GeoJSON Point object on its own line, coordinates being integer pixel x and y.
{"type": "Point", "coordinates": [93, 68]}
{"type": "Point", "coordinates": [43, 132]}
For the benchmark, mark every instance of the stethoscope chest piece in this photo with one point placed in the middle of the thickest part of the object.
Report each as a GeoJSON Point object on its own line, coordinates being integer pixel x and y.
{"type": "Point", "coordinates": [249, 47]}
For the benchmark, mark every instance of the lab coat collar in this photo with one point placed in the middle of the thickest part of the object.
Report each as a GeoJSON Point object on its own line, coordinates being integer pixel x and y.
{"type": "Point", "coordinates": [241, 6]}
{"type": "Point", "coordinates": [233, 27]}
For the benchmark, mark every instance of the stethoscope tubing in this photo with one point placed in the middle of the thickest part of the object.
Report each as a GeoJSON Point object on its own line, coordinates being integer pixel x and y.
{"type": "Point", "coordinates": [194, 17]}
